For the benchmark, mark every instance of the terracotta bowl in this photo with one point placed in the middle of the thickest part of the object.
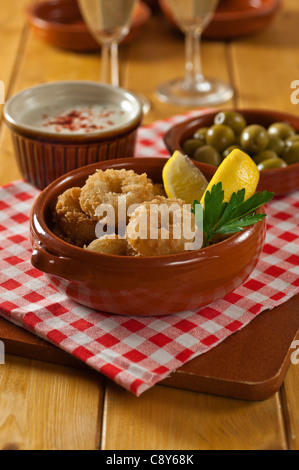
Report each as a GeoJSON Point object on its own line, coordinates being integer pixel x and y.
{"type": "Point", "coordinates": [44, 153]}
{"type": "Point", "coordinates": [149, 286]}
{"type": "Point", "coordinates": [235, 18]}
{"type": "Point", "coordinates": [280, 180]}
{"type": "Point", "coordinates": [60, 23]}
{"type": "Point", "coordinates": [153, 4]}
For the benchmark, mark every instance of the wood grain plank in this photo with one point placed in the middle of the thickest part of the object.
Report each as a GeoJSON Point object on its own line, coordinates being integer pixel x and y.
{"type": "Point", "coordinates": [169, 419]}
{"type": "Point", "coordinates": [47, 407]}
{"type": "Point", "coordinates": [290, 405]}
{"type": "Point", "coordinates": [264, 65]}
{"type": "Point", "coordinates": [12, 26]}
{"type": "Point", "coordinates": [162, 56]}
{"type": "Point", "coordinates": [13, 37]}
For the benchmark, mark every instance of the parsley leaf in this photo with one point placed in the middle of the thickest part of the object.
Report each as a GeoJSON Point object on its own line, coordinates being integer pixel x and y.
{"type": "Point", "coordinates": [220, 218]}
{"type": "Point", "coordinates": [238, 225]}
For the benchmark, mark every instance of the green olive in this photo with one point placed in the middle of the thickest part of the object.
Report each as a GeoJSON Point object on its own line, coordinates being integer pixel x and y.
{"type": "Point", "coordinates": [228, 150]}
{"type": "Point", "coordinates": [231, 119]}
{"type": "Point", "coordinates": [201, 133]}
{"type": "Point", "coordinates": [283, 130]}
{"type": "Point", "coordinates": [264, 155]}
{"type": "Point", "coordinates": [220, 137]}
{"type": "Point", "coordinates": [291, 154]}
{"type": "Point", "coordinates": [254, 139]}
{"type": "Point", "coordinates": [190, 146]}
{"type": "Point", "coordinates": [291, 140]}
{"type": "Point", "coordinates": [276, 144]}
{"type": "Point", "coordinates": [271, 164]}
{"type": "Point", "coordinates": [208, 154]}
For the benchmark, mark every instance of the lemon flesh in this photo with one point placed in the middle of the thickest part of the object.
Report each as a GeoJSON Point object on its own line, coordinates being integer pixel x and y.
{"type": "Point", "coordinates": [183, 180]}
{"type": "Point", "coordinates": [237, 171]}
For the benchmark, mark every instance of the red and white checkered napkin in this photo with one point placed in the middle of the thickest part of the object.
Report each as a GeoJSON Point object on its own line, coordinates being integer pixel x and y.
{"type": "Point", "coordinates": [138, 352]}
{"type": "Point", "coordinates": [150, 139]}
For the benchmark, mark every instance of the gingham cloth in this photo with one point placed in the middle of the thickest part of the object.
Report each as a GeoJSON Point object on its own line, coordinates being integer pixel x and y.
{"type": "Point", "coordinates": [138, 352]}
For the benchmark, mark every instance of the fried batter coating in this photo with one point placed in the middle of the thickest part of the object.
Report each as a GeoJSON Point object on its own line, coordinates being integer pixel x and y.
{"type": "Point", "coordinates": [109, 245]}
{"type": "Point", "coordinates": [75, 226]}
{"type": "Point", "coordinates": [159, 190]}
{"type": "Point", "coordinates": [65, 238]}
{"type": "Point", "coordinates": [105, 187]}
{"type": "Point", "coordinates": [131, 251]}
{"type": "Point", "coordinates": [149, 233]}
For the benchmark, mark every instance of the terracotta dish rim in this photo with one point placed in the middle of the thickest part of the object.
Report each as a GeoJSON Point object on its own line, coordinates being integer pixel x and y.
{"type": "Point", "coordinates": [249, 110]}
{"type": "Point", "coordinates": [55, 244]}
{"type": "Point", "coordinates": [37, 133]}
{"type": "Point", "coordinates": [264, 10]}
{"type": "Point", "coordinates": [33, 14]}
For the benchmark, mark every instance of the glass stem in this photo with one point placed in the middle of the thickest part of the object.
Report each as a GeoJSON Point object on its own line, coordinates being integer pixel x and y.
{"type": "Point", "coordinates": [105, 63]}
{"type": "Point", "coordinates": [114, 65]}
{"type": "Point", "coordinates": [110, 68]}
{"type": "Point", "coordinates": [194, 75]}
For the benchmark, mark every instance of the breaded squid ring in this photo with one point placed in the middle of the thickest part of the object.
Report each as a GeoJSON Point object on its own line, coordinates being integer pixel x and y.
{"type": "Point", "coordinates": [159, 190]}
{"type": "Point", "coordinates": [165, 243]}
{"type": "Point", "coordinates": [109, 245]}
{"type": "Point", "coordinates": [74, 225]}
{"type": "Point", "coordinates": [105, 187]}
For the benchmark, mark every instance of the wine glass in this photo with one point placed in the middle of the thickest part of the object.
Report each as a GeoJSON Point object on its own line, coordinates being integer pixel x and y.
{"type": "Point", "coordinates": [109, 21]}
{"type": "Point", "coordinates": [194, 89]}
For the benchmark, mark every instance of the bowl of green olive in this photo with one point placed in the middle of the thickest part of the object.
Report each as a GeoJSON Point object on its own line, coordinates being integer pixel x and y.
{"type": "Point", "coordinates": [271, 138]}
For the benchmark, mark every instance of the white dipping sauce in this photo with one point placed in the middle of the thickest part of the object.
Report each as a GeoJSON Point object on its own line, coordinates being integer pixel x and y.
{"type": "Point", "coordinates": [80, 119]}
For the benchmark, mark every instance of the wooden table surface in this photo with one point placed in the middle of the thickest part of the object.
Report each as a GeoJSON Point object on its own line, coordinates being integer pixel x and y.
{"type": "Point", "coordinates": [46, 407]}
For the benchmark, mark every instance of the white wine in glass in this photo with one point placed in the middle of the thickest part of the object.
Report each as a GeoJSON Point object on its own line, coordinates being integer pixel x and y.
{"type": "Point", "coordinates": [109, 22]}
{"type": "Point", "coordinates": [193, 16]}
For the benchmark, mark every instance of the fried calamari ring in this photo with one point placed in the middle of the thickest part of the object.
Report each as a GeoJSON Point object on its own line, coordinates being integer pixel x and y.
{"type": "Point", "coordinates": [75, 226]}
{"type": "Point", "coordinates": [149, 233]}
{"type": "Point", "coordinates": [159, 190]}
{"type": "Point", "coordinates": [105, 187]}
{"type": "Point", "coordinates": [109, 245]}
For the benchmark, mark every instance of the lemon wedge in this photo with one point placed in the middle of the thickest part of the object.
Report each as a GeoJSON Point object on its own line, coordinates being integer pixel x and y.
{"type": "Point", "coordinates": [237, 171]}
{"type": "Point", "coordinates": [182, 179]}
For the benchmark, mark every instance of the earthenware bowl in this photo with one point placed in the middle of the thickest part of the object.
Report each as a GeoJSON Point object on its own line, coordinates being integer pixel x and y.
{"type": "Point", "coordinates": [149, 286]}
{"type": "Point", "coordinates": [235, 18]}
{"type": "Point", "coordinates": [45, 152]}
{"type": "Point", "coordinates": [153, 4]}
{"type": "Point", "coordinates": [60, 23]}
{"type": "Point", "coordinates": [279, 180]}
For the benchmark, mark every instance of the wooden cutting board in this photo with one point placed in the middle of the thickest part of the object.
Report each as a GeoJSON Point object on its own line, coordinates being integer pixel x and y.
{"type": "Point", "coordinates": [251, 364]}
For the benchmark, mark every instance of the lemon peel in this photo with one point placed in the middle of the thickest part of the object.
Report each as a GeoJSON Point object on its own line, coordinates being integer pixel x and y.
{"type": "Point", "coordinates": [182, 179]}
{"type": "Point", "coordinates": [237, 171]}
